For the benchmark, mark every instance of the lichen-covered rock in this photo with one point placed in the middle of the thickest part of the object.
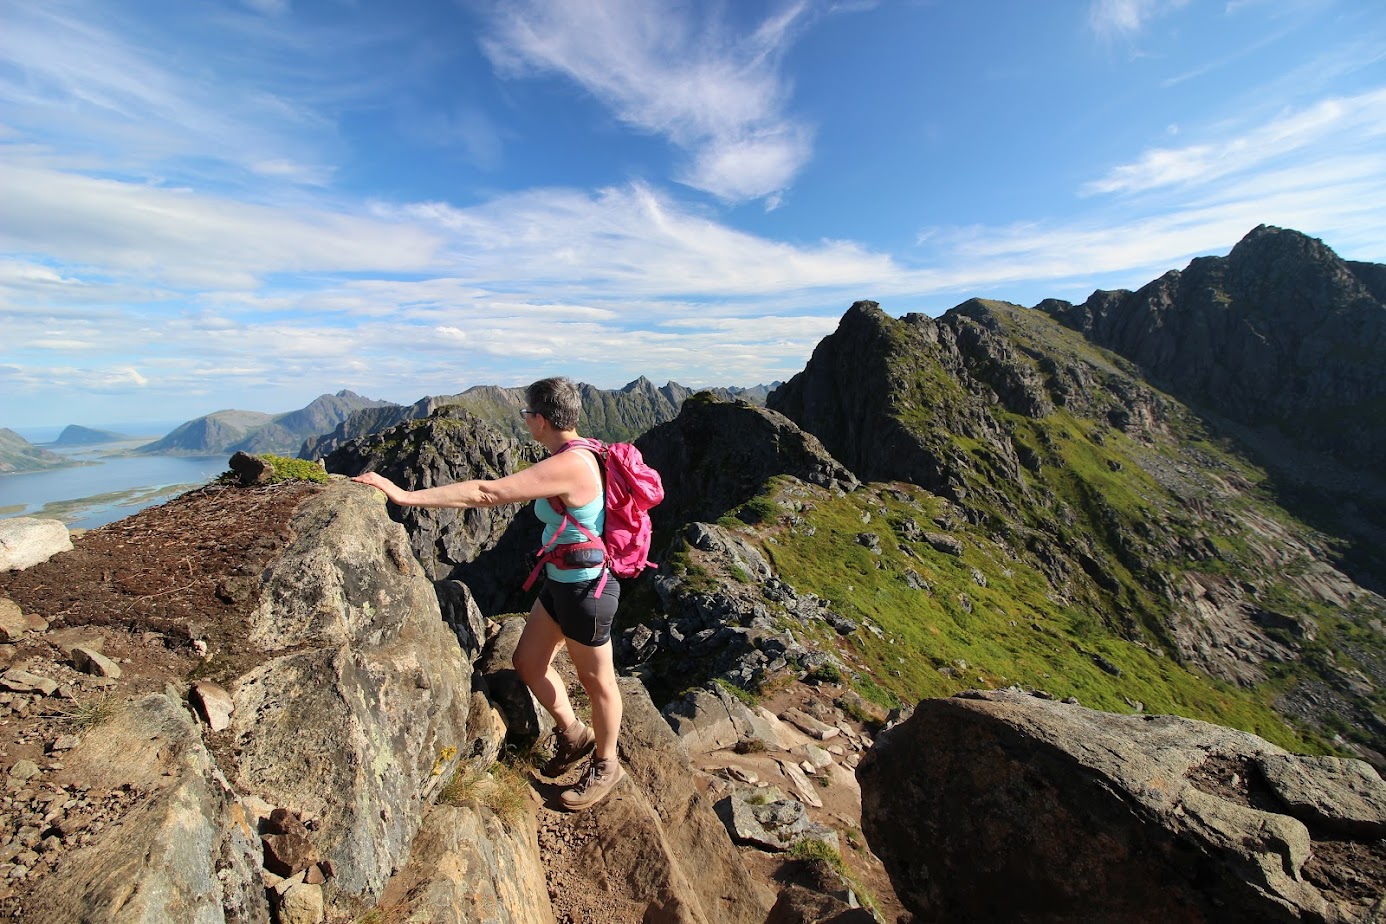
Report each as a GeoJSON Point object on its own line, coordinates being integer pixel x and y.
{"type": "Point", "coordinates": [182, 851]}
{"type": "Point", "coordinates": [359, 713]}
{"type": "Point", "coordinates": [766, 818]}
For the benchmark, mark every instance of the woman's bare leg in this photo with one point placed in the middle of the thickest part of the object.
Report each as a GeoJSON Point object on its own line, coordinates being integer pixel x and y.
{"type": "Point", "coordinates": [596, 672]}
{"type": "Point", "coordinates": [533, 660]}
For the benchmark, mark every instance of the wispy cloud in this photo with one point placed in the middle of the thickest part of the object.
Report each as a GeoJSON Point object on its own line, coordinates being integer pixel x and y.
{"type": "Point", "coordinates": [94, 84]}
{"type": "Point", "coordinates": [183, 237]}
{"type": "Point", "coordinates": [1112, 19]}
{"type": "Point", "coordinates": [714, 93]}
{"type": "Point", "coordinates": [1330, 124]}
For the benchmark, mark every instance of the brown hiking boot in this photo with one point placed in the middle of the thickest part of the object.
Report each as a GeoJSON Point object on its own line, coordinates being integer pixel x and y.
{"type": "Point", "coordinates": [597, 780]}
{"type": "Point", "coordinates": [569, 750]}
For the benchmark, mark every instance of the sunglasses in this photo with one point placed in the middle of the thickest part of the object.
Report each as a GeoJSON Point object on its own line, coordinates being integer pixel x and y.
{"type": "Point", "coordinates": [526, 412]}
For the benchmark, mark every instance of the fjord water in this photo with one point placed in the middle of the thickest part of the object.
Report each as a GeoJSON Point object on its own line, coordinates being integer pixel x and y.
{"type": "Point", "coordinates": [109, 489]}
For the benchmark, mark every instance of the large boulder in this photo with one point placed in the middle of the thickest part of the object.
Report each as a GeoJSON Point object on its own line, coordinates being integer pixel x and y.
{"type": "Point", "coordinates": [1002, 806]}
{"type": "Point", "coordinates": [358, 714]}
{"type": "Point", "coordinates": [26, 541]}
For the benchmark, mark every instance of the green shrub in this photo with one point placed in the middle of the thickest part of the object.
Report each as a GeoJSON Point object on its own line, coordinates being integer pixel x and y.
{"type": "Point", "coordinates": [824, 673]}
{"type": "Point", "coordinates": [286, 469]}
{"type": "Point", "coordinates": [745, 696]}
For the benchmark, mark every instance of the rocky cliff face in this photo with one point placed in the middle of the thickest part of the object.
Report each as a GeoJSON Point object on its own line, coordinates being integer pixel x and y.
{"type": "Point", "coordinates": [1279, 333]}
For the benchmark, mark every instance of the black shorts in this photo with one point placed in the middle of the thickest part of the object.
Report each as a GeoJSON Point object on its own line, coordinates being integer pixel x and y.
{"type": "Point", "coordinates": [583, 618]}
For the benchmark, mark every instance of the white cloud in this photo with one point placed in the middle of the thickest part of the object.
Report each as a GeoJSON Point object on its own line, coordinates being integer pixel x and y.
{"type": "Point", "coordinates": [1112, 19]}
{"type": "Point", "coordinates": [181, 237]}
{"type": "Point", "coordinates": [78, 78]}
{"type": "Point", "coordinates": [1329, 124]}
{"type": "Point", "coordinates": [719, 96]}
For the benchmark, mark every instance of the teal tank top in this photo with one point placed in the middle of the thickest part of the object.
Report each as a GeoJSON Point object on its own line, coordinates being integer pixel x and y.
{"type": "Point", "coordinates": [591, 515]}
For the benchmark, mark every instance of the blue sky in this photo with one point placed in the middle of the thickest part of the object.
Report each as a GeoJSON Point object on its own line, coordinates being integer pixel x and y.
{"type": "Point", "coordinates": [209, 205]}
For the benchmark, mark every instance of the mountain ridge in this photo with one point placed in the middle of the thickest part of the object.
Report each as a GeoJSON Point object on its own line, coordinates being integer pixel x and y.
{"type": "Point", "coordinates": [257, 431]}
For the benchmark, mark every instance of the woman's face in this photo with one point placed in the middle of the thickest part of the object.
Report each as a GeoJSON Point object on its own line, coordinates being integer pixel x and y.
{"type": "Point", "coordinates": [534, 422]}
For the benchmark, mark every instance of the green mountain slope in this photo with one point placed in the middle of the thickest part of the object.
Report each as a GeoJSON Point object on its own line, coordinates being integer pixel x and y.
{"type": "Point", "coordinates": [19, 455]}
{"type": "Point", "coordinates": [1162, 545]}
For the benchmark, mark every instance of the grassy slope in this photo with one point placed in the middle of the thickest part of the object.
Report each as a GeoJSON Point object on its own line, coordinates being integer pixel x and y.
{"type": "Point", "coordinates": [1009, 630]}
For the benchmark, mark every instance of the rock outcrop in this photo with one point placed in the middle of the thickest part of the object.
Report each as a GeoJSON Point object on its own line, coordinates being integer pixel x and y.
{"type": "Point", "coordinates": [716, 455]}
{"type": "Point", "coordinates": [485, 547]}
{"type": "Point", "coordinates": [27, 541]}
{"type": "Point", "coordinates": [1003, 806]}
{"type": "Point", "coordinates": [355, 713]}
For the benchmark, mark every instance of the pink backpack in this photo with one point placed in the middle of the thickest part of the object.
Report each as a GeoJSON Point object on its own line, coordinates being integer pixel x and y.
{"type": "Point", "coordinates": [631, 489]}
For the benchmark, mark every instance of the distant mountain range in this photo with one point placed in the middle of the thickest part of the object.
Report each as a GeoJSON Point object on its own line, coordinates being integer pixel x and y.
{"type": "Point", "coordinates": [330, 420]}
{"type": "Point", "coordinates": [258, 432]}
{"type": "Point", "coordinates": [607, 414]}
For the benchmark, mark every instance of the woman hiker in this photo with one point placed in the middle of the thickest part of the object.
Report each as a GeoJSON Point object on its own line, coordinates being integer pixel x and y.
{"type": "Point", "coordinates": [571, 609]}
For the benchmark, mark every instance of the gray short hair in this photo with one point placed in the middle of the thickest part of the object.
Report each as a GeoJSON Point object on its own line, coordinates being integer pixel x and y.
{"type": "Point", "coordinates": [557, 400]}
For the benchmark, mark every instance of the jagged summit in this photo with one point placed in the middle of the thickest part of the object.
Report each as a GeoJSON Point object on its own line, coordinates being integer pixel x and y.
{"type": "Point", "coordinates": [1280, 333]}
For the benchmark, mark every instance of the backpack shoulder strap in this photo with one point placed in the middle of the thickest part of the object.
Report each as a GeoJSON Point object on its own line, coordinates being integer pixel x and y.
{"type": "Point", "coordinates": [598, 449]}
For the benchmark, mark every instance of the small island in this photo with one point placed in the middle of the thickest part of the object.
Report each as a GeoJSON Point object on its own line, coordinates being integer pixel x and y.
{"type": "Point", "coordinates": [74, 435]}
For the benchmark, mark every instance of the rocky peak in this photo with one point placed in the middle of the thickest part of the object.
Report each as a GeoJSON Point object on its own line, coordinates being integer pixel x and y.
{"type": "Point", "coordinates": [1280, 332]}
{"type": "Point", "coordinates": [718, 454]}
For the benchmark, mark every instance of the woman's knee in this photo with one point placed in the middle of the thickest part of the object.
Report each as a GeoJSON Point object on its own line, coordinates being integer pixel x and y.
{"type": "Point", "coordinates": [531, 666]}
{"type": "Point", "coordinates": [599, 682]}
{"type": "Point", "coordinates": [533, 654]}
